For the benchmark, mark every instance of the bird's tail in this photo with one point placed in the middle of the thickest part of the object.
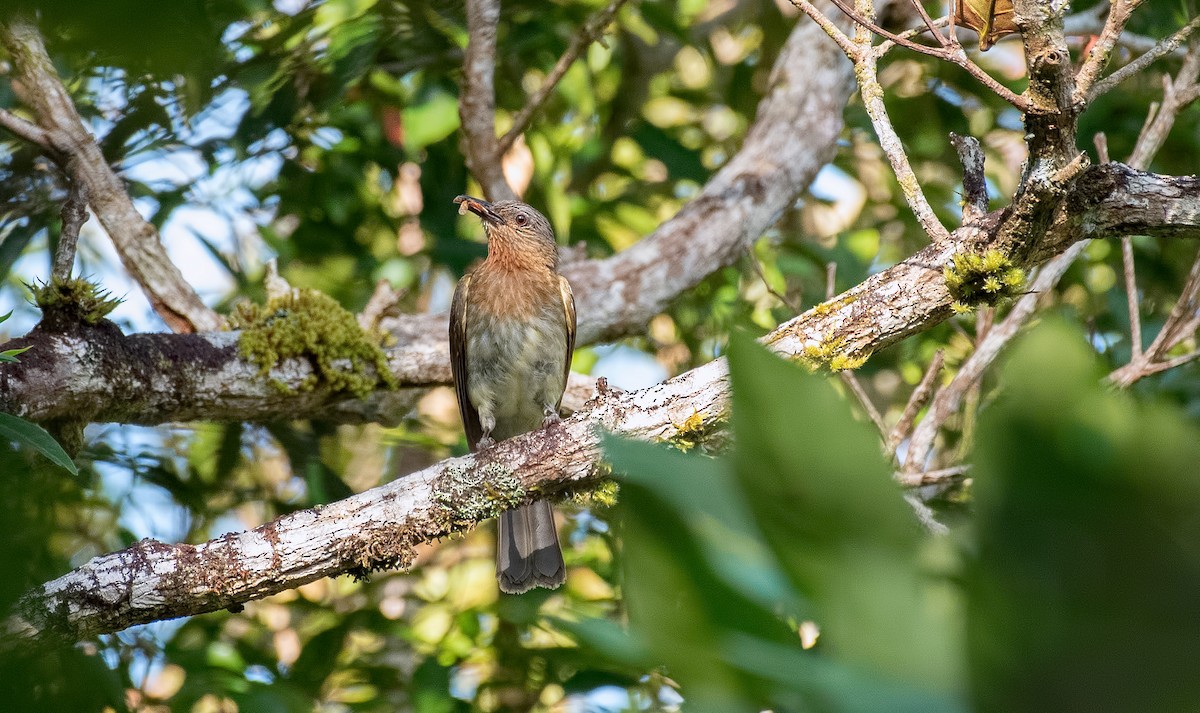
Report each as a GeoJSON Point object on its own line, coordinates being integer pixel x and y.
{"type": "Point", "coordinates": [527, 551]}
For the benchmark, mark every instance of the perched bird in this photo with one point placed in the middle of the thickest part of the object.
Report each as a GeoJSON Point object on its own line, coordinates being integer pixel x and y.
{"type": "Point", "coordinates": [512, 331]}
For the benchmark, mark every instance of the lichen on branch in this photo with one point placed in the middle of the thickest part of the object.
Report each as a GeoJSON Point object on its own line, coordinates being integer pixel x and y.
{"type": "Point", "coordinates": [307, 324]}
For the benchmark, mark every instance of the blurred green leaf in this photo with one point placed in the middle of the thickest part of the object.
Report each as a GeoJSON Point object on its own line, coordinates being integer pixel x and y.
{"type": "Point", "coordinates": [1083, 587]}
{"type": "Point", "coordinates": [823, 495]}
{"type": "Point", "coordinates": [32, 435]}
{"type": "Point", "coordinates": [723, 556]}
{"type": "Point", "coordinates": [430, 121]}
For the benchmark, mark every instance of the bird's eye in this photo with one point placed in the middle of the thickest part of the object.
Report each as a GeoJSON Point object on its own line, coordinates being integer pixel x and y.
{"type": "Point", "coordinates": [522, 219]}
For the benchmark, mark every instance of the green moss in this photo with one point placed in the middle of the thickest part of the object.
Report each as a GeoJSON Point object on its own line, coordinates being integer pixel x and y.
{"type": "Point", "coordinates": [986, 278]}
{"type": "Point", "coordinates": [830, 355]}
{"type": "Point", "coordinates": [697, 431]}
{"type": "Point", "coordinates": [603, 494]}
{"type": "Point", "coordinates": [834, 305]}
{"type": "Point", "coordinates": [842, 362]}
{"type": "Point", "coordinates": [74, 299]}
{"type": "Point", "coordinates": [307, 324]}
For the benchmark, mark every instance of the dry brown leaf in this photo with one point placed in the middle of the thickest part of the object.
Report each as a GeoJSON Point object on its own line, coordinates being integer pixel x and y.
{"type": "Point", "coordinates": [992, 19]}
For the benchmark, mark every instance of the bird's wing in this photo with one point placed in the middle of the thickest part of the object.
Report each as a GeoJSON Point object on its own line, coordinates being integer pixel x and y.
{"type": "Point", "coordinates": [568, 301]}
{"type": "Point", "coordinates": [458, 361]}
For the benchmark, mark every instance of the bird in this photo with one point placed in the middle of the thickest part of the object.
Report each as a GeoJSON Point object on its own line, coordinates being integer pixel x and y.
{"type": "Point", "coordinates": [512, 333]}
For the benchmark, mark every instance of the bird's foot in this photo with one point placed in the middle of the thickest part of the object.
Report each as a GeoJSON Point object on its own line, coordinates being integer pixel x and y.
{"type": "Point", "coordinates": [551, 417]}
{"type": "Point", "coordinates": [485, 442]}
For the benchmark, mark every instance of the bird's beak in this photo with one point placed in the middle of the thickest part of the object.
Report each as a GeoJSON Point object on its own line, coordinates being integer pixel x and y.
{"type": "Point", "coordinates": [479, 207]}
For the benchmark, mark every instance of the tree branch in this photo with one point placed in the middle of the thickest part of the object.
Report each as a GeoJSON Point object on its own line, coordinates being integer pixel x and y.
{"type": "Point", "coordinates": [1162, 49]}
{"type": "Point", "coordinates": [136, 241]}
{"type": "Point", "coordinates": [477, 105]}
{"type": "Point", "coordinates": [948, 399]}
{"type": "Point", "coordinates": [866, 71]}
{"type": "Point", "coordinates": [95, 373]}
{"type": "Point", "coordinates": [74, 215]}
{"type": "Point", "coordinates": [916, 401]}
{"type": "Point", "coordinates": [1097, 58]}
{"type": "Point", "coordinates": [25, 130]}
{"type": "Point", "coordinates": [951, 51]}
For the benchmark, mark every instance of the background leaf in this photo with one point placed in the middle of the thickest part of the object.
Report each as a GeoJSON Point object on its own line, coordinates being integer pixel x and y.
{"type": "Point", "coordinates": [22, 431]}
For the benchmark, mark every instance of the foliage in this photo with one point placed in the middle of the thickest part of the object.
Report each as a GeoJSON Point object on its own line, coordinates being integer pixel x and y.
{"type": "Point", "coordinates": [1073, 587]}
{"type": "Point", "coordinates": [18, 430]}
{"type": "Point", "coordinates": [725, 558]}
{"type": "Point", "coordinates": [1081, 581]}
{"type": "Point", "coordinates": [325, 135]}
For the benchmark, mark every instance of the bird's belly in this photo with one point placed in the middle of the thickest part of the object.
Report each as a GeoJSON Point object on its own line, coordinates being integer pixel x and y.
{"type": "Point", "coordinates": [517, 369]}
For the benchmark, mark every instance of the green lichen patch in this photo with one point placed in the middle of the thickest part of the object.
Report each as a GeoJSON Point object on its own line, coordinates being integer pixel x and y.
{"type": "Point", "coordinates": [73, 300]}
{"type": "Point", "coordinates": [830, 355]}
{"type": "Point", "coordinates": [986, 278]}
{"type": "Point", "coordinates": [470, 495]}
{"type": "Point", "coordinates": [307, 324]}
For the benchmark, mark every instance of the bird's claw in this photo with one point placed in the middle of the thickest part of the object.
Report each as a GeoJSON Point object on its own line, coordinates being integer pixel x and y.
{"type": "Point", "coordinates": [485, 442]}
{"type": "Point", "coordinates": [551, 418]}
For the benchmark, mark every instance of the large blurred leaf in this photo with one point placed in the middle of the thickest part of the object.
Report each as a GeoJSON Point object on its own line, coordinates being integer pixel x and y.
{"type": "Point", "coordinates": [1083, 591]}
{"type": "Point", "coordinates": [722, 557]}
{"type": "Point", "coordinates": [180, 36]}
{"type": "Point", "coordinates": [823, 495]}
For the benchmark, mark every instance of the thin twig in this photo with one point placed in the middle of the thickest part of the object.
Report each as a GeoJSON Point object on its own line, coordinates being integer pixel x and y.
{"type": "Point", "coordinates": [1101, 142]}
{"type": "Point", "coordinates": [1131, 295]}
{"type": "Point", "coordinates": [866, 71]}
{"type": "Point", "coordinates": [1179, 324]}
{"type": "Point", "coordinates": [1162, 49]}
{"type": "Point", "coordinates": [884, 47]}
{"type": "Point", "coordinates": [920, 7]}
{"type": "Point", "coordinates": [830, 29]}
{"type": "Point", "coordinates": [1177, 361]}
{"type": "Point", "coordinates": [74, 215]}
{"type": "Point", "coordinates": [953, 53]}
{"type": "Point", "coordinates": [1101, 49]}
{"type": "Point", "coordinates": [26, 130]}
{"type": "Point", "coordinates": [925, 515]}
{"type": "Point", "coordinates": [1127, 263]}
{"type": "Point", "coordinates": [790, 304]}
{"type": "Point", "coordinates": [916, 401]}
{"type": "Point", "coordinates": [591, 31]}
{"type": "Point", "coordinates": [382, 300]}
{"type": "Point", "coordinates": [1177, 94]}
{"type": "Point", "coordinates": [850, 379]}
{"type": "Point", "coordinates": [933, 477]}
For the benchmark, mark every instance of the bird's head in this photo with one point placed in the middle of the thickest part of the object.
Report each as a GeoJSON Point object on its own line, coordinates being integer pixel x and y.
{"type": "Point", "coordinates": [514, 229]}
